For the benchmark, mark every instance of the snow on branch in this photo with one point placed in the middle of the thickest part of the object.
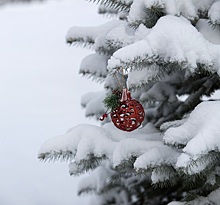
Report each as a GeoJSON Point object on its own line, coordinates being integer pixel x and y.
{"type": "Point", "coordinates": [94, 66]}
{"type": "Point", "coordinates": [171, 40]}
{"type": "Point", "coordinates": [161, 161]}
{"type": "Point", "coordinates": [202, 127]}
{"type": "Point", "coordinates": [93, 102]}
{"type": "Point", "coordinates": [88, 35]}
{"type": "Point", "coordinates": [129, 148]}
{"type": "Point", "coordinates": [114, 39]}
{"type": "Point", "coordinates": [90, 144]}
{"type": "Point", "coordinates": [139, 78]}
{"type": "Point", "coordinates": [149, 11]}
{"type": "Point", "coordinates": [212, 198]}
{"type": "Point", "coordinates": [209, 31]}
{"type": "Point", "coordinates": [200, 137]}
{"type": "Point", "coordinates": [214, 13]}
{"type": "Point", "coordinates": [153, 158]}
{"type": "Point", "coordinates": [145, 12]}
{"type": "Point", "coordinates": [81, 141]}
{"type": "Point", "coordinates": [96, 181]}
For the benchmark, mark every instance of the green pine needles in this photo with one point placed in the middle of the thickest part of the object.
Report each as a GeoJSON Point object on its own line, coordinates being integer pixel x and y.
{"type": "Point", "coordinates": [112, 101]}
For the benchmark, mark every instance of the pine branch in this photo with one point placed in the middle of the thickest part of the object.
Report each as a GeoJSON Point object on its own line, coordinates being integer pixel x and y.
{"type": "Point", "coordinates": [152, 15]}
{"type": "Point", "coordinates": [203, 86]}
{"type": "Point", "coordinates": [87, 190]}
{"type": "Point", "coordinates": [54, 156]}
{"type": "Point", "coordinates": [109, 47]}
{"type": "Point", "coordinates": [114, 4]}
{"type": "Point", "coordinates": [109, 12]}
{"type": "Point", "coordinates": [94, 76]}
{"type": "Point", "coordinates": [90, 163]}
{"type": "Point", "coordinates": [215, 25]}
{"type": "Point", "coordinates": [85, 43]}
{"type": "Point", "coordinates": [176, 123]}
{"type": "Point", "coordinates": [197, 180]}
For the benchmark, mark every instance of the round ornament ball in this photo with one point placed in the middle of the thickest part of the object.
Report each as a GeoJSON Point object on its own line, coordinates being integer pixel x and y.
{"type": "Point", "coordinates": [129, 115]}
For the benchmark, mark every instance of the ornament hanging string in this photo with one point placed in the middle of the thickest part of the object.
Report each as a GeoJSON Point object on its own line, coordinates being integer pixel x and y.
{"type": "Point", "coordinates": [121, 85]}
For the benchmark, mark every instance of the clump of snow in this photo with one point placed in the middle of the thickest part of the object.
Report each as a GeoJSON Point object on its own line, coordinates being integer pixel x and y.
{"type": "Point", "coordinates": [141, 32]}
{"type": "Point", "coordinates": [156, 157]}
{"type": "Point", "coordinates": [120, 36]}
{"type": "Point", "coordinates": [190, 9]}
{"type": "Point", "coordinates": [173, 39]}
{"type": "Point", "coordinates": [128, 148]}
{"type": "Point", "coordinates": [214, 13]}
{"type": "Point", "coordinates": [172, 7]}
{"type": "Point", "coordinates": [95, 65]}
{"type": "Point", "coordinates": [176, 203]}
{"type": "Point", "coordinates": [139, 77]}
{"type": "Point", "coordinates": [160, 91]}
{"type": "Point", "coordinates": [159, 176]}
{"type": "Point", "coordinates": [150, 3]}
{"type": "Point", "coordinates": [137, 11]}
{"type": "Point", "coordinates": [187, 9]}
{"type": "Point", "coordinates": [96, 180]}
{"type": "Point", "coordinates": [86, 98]}
{"type": "Point", "coordinates": [88, 34]}
{"type": "Point", "coordinates": [212, 198]}
{"type": "Point", "coordinates": [84, 140]}
{"type": "Point", "coordinates": [201, 128]}
{"type": "Point", "coordinates": [94, 103]}
{"type": "Point", "coordinates": [209, 33]}
{"type": "Point", "coordinates": [81, 140]}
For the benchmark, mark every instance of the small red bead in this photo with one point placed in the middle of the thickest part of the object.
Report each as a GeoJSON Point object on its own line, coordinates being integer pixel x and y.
{"type": "Point", "coordinates": [103, 116]}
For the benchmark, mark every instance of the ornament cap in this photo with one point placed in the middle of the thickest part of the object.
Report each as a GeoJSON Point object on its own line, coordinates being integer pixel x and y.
{"type": "Point", "coordinates": [126, 95]}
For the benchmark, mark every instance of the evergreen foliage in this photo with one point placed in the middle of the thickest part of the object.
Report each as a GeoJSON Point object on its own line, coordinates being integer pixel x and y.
{"type": "Point", "coordinates": [170, 51]}
{"type": "Point", "coordinates": [112, 101]}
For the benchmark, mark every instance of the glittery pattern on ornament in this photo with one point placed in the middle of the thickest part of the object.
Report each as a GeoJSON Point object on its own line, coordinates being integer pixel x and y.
{"type": "Point", "coordinates": [129, 115]}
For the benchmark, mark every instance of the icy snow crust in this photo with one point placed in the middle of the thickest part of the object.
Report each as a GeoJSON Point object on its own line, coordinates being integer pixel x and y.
{"type": "Point", "coordinates": [172, 39]}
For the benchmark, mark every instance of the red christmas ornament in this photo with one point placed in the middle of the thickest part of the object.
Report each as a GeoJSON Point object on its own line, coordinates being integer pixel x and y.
{"type": "Point", "coordinates": [129, 115]}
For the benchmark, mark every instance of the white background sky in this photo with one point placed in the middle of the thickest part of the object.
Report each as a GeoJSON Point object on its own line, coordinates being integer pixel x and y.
{"type": "Point", "coordinates": [40, 94]}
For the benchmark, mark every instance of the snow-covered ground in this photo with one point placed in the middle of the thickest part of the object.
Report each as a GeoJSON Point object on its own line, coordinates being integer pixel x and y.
{"type": "Point", "coordinates": [40, 94]}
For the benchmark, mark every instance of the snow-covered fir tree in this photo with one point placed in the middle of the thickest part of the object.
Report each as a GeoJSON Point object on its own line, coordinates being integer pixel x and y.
{"type": "Point", "coordinates": [167, 53]}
